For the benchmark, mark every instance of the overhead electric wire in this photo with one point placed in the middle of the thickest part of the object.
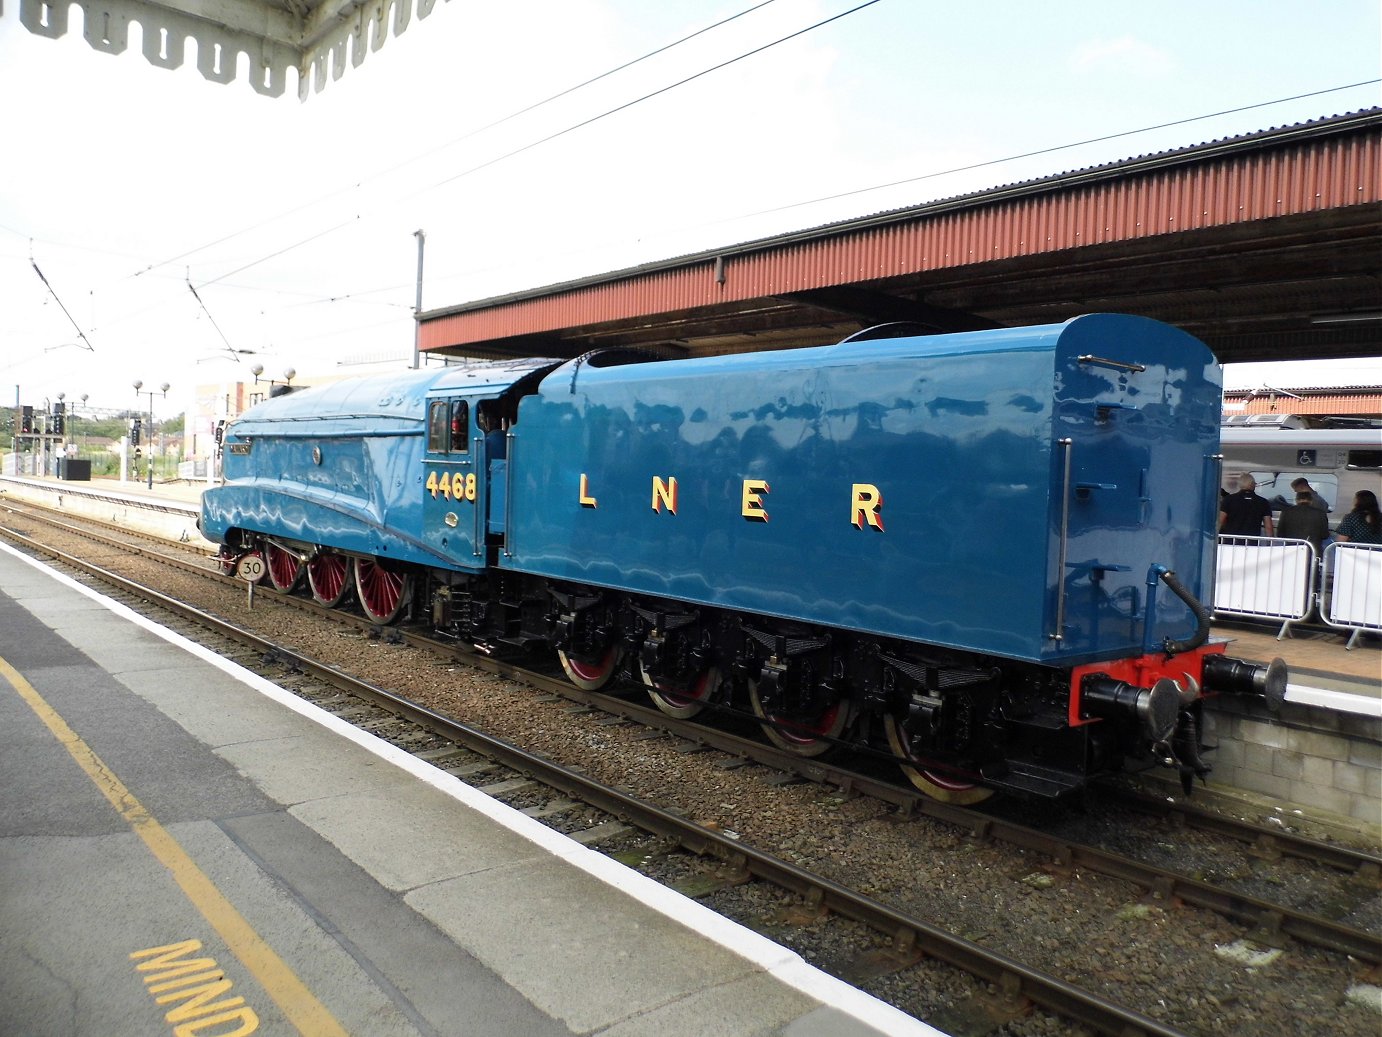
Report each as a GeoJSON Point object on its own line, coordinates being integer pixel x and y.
{"type": "Point", "coordinates": [80, 333]}
{"type": "Point", "coordinates": [1055, 148]}
{"type": "Point", "coordinates": [646, 97]}
{"type": "Point", "coordinates": [973, 166]}
{"type": "Point", "coordinates": [451, 143]}
{"type": "Point", "coordinates": [569, 129]}
{"type": "Point", "coordinates": [231, 349]}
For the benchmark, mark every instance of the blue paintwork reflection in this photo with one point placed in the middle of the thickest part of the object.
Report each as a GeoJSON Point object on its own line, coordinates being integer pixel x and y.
{"type": "Point", "coordinates": [958, 433]}
{"type": "Point", "coordinates": [367, 493]}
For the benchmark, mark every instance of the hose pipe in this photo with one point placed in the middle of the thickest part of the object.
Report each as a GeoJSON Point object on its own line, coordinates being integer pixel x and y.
{"type": "Point", "coordinates": [1171, 646]}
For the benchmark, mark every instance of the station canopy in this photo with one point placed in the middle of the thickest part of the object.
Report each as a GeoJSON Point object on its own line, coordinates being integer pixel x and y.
{"type": "Point", "coordinates": [1266, 246]}
{"type": "Point", "coordinates": [320, 38]}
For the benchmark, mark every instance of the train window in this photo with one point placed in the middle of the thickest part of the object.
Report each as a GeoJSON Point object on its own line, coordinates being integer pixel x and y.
{"type": "Point", "coordinates": [1365, 459]}
{"type": "Point", "coordinates": [1276, 486]}
{"type": "Point", "coordinates": [437, 427]}
{"type": "Point", "coordinates": [460, 427]}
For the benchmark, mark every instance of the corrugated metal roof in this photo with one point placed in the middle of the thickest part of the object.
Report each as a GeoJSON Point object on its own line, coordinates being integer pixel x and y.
{"type": "Point", "coordinates": [1352, 399]}
{"type": "Point", "coordinates": [1342, 403]}
{"type": "Point", "coordinates": [1311, 167]}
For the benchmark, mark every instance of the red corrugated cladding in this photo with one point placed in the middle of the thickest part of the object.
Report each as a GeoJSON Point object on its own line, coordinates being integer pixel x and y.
{"type": "Point", "coordinates": [1223, 189]}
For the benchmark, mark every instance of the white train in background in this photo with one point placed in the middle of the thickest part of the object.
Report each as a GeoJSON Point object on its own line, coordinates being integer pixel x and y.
{"type": "Point", "coordinates": [1338, 459]}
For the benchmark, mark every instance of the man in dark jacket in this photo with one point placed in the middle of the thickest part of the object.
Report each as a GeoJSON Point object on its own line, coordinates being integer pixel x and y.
{"type": "Point", "coordinates": [1304, 521]}
{"type": "Point", "coordinates": [1302, 485]}
{"type": "Point", "coordinates": [1245, 514]}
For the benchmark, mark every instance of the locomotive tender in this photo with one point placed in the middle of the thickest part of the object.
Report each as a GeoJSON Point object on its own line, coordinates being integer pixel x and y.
{"type": "Point", "coordinates": [981, 553]}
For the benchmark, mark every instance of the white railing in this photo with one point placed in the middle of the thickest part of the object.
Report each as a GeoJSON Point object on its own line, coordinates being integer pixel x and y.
{"type": "Point", "coordinates": [1265, 578]}
{"type": "Point", "coordinates": [1355, 598]}
{"type": "Point", "coordinates": [1268, 578]}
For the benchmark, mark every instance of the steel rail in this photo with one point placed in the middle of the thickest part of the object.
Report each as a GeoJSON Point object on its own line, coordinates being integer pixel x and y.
{"type": "Point", "coordinates": [1269, 920]}
{"type": "Point", "coordinates": [1366, 867]}
{"type": "Point", "coordinates": [1012, 978]}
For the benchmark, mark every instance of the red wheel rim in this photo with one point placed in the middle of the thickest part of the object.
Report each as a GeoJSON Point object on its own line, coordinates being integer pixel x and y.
{"type": "Point", "coordinates": [923, 773]}
{"type": "Point", "coordinates": [328, 576]}
{"type": "Point", "coordinates": [383, 592]}
{"type": "Point", "coordinates": [285, 571]}
{"type": "Point", "coordinates": [803, 737]}
{"type": "Point", "coordinates": [684, 703]}
{"type": "Point", "coordinates": [590, 676]}
{"type": "Point", "coordinates": [808, 734]}
{"type": "Point", "coordinates": [697, 694]}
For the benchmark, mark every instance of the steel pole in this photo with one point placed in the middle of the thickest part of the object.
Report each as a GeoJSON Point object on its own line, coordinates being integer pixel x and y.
{"type": "Point", "coordinates": [151, 441]}
{"type": "Point", "coordinates": [417, 306]}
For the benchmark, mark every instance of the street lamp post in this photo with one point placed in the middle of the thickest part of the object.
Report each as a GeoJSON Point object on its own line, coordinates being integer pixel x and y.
{"type": "Point", "coordinates": [289, 374]}
{"type": "Point", "coordinates": [139, 390]}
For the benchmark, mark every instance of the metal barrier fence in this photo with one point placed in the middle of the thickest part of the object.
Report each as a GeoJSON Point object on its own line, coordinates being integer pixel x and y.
{"type": "Point", "coordinates": [1269, 578]}
{"type": "Point", "coordinates": [1355, 598]}
{"type": "Point", "coordinates": [1265, 578]}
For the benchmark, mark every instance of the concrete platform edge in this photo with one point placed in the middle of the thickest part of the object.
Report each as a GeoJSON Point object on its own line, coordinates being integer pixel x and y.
{"type": "Point", "coordinates": [785, 965]}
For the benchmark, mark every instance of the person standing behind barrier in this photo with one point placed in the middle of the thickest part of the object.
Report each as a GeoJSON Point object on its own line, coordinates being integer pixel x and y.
{"type": "Point", "coordinates": [1304, 521]}
{"type": "Point", "coordinates": [1302, 485]}
{"type": "Point", "coordinates": [1245, 514]}
{"type": "Point", "coordinates": [1362, 525]}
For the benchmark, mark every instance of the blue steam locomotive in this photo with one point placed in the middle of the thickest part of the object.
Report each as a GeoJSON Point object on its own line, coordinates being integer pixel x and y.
{"type": "Point", "coordinates": [982, 553]}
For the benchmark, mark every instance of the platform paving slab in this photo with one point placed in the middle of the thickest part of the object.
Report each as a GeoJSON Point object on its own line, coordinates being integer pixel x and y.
{"type": "Point", "coordinates": [281, 820]}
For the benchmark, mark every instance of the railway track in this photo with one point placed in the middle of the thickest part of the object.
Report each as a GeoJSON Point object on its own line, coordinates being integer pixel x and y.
{"type": "Point", "coordinates": [903, 937]}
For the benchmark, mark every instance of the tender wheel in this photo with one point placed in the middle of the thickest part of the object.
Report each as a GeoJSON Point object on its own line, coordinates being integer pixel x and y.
{"type": "Point", "coordinates": [936, 784]}
{"type": "Point", "coordinates": [329, 577]}
{"type": "Point", "coordinates": [804, 736]}
{"type": "Point", "coordinates": [591, 676]}
{"type": "Point", "coordinates": [384, 591]}
{"type": "Point", "coordinates": [285, 569]}
{"type": "Point", "coordinates": [683, 703]}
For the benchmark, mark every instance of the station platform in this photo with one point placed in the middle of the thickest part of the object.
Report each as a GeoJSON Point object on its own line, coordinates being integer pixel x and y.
{"type": "Point", "coordinates": [187, 849]}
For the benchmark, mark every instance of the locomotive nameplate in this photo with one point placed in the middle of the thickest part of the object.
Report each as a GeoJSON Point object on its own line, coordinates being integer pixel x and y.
{"type": "Point", "coordinates": [241, 448]}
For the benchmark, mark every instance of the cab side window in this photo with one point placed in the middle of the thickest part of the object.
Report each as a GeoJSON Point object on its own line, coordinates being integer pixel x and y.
{"type": "Point", "coordinates": [460, 427]}
{"type": "Point", "coordinates": [437, 427]}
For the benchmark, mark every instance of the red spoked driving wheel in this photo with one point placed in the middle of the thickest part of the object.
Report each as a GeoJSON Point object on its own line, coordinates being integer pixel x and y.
{"type": "Point", "coordinates": [384, 589]}
{"type": "Point", "coordinates": [285, 568]}
{"type": "Point", "coordinates": [329, 577]}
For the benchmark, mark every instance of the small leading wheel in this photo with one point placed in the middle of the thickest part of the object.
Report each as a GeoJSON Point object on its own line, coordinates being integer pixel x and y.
{"type": "Point", "coordinates": [685, 702]}
{"type": "Point", "coordinates": [384, 591]}
{"type": "Point", "coordinates": [329, 577]}
{"type": "Point", "coordinates": [591, 676]}
{"type": "Point", "coordinates": [285, 569]}
{"type": "Point", "coordinates": [936, 784]}
{"type": "Point", "coordinates": [804, 736]}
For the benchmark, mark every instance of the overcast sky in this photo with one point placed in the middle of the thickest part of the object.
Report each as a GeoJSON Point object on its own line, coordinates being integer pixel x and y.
{"type": "Point", "coordinates": [294, 221]}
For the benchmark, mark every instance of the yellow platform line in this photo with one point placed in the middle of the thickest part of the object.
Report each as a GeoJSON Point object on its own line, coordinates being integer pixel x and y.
{"type": "Point", "coordinates": [291, 995]}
